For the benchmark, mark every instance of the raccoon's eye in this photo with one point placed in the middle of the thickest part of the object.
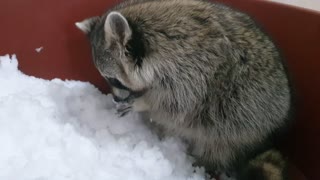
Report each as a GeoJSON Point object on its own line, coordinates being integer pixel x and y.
{"type": "Point", "coordinates": [127, 51]}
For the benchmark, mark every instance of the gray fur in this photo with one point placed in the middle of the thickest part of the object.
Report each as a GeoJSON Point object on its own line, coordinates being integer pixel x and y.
{"type": "Point", "coordinates": [207, 73]}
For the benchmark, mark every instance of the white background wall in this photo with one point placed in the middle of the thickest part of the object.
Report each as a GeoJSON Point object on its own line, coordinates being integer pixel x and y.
{"type": "Point", "coordinates": [310, 4]}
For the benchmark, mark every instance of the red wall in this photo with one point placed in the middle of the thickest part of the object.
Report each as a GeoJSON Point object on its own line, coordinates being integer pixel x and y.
{"type": "Point", "coordinates": [26, 25]}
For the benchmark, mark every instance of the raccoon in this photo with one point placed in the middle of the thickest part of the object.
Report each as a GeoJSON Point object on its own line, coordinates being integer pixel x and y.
{"type": "Point", "coordinates": [202, 71]}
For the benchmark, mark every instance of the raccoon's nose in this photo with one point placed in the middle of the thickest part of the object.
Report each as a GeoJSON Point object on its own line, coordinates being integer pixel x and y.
{"type": "Point", "coordinates": [117, 99]}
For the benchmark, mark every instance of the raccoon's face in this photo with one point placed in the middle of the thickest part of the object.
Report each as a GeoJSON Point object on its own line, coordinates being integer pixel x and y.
{"type": "Point", "coordinates": [112, 42]}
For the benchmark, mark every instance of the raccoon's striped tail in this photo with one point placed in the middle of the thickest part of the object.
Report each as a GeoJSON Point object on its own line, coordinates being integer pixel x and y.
{"type": "Point", "coordinates": [270, 165]}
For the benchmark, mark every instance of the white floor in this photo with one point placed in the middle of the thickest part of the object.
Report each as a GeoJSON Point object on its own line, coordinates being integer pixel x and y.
{"type": "Point", "coordinates": [309, 4]}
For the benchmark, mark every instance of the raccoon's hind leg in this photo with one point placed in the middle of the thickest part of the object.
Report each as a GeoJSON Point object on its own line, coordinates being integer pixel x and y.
{"type": "Point", "coordinates": [270, 165]}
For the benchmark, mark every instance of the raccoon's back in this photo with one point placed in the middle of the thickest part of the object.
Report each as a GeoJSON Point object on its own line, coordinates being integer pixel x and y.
{"type": "Point", "coordinates": [182, 21]}
{"type": "Point", "coordinates": [185, 27]}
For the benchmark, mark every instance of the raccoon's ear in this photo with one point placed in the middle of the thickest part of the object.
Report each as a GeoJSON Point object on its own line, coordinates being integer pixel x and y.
{"type": "Point", "coordinates": [116, 27]}
{"type": "Point", "coordinates": [87, 24]}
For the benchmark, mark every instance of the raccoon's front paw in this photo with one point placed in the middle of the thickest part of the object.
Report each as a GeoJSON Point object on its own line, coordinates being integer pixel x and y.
{"type": "Point", "coordinates": [123, 109]}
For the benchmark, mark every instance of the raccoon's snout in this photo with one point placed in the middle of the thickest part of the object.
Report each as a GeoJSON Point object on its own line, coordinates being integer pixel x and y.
{"type": "Point", "coordinates": [117, 99]}
{"type": "Point", "coordinates": [124, 96]}
{"type": "Point", "coordinates": [120, 95]}
{"type": "Point", "coordinates": [117, 84]}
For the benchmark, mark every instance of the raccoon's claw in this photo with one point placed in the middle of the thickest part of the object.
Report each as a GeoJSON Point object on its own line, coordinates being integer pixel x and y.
{"type": "Point", "coordinates": [123, 110]}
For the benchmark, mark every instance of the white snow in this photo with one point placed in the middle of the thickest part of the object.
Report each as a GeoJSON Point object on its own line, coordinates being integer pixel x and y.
{"type": "Point", "coordinates": [68, 130]}
{"type": "Point", "coordinates": [39, 49]}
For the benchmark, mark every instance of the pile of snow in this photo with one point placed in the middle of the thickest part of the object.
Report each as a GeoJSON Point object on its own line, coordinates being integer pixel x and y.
{"type": "Point", "coordinates": [68, 130]}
